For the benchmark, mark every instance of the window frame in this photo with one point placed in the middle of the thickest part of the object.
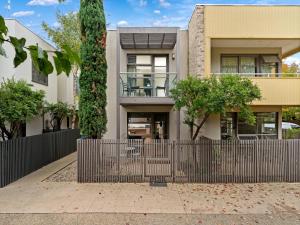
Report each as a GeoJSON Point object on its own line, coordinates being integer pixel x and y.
{"type": "Point", "coordinates": [258, 61]}
{"type": "Point", "coordinates": [38, 74]}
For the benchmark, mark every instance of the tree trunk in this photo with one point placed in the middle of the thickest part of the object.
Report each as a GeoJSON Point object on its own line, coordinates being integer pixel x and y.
{"type": "Point", "coordinates": [200, 126]}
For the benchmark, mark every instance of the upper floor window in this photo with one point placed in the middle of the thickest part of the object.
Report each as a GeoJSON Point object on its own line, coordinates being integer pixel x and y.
{"type": "Point", "coordinates": [249, 64]}
{"type": "Point", "coordinates": [38, 77]}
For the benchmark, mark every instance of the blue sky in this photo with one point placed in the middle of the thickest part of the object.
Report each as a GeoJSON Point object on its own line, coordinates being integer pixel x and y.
{"type": "Point", "coordinates": [118, 12]}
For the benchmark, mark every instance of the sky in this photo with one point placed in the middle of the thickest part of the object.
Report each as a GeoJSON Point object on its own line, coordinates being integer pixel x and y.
{"type": "Point", "coordinates": [177, 13]}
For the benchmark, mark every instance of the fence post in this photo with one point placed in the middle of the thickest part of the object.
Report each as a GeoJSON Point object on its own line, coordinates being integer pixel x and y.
{"type": "Point", "coordinates": [173, 163]}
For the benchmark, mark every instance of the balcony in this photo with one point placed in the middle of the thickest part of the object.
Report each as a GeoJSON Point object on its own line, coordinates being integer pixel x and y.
{"type": "Point", "coordinates": [146, 88]}
{"type": "Point", "coordinates": [276, 89]}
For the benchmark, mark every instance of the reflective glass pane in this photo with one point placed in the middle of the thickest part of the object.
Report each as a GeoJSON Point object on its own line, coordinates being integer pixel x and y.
{"type": "Point", "coordinates": [160, 61]}
{"type": "Point", "coordinates": [247, 65]}
{"type": "Point", "coordinates": [143, 59]}
{"type": "Point", "coordinates": [269, 68]}
{"type": "Point", "coordinates": [229, 65]}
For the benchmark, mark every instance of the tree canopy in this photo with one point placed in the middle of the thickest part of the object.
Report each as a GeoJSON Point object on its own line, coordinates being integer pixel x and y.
{"type": "Point", "coordinates": [67, 33]}
{"type": "Point", "coordinates": [58, 111]}
{"type": "Point", "coordinates": [18, 104]}
{"type": "Point", "coordinates": [92, 80]}
{"type": "Point", "coordinates": [201, 98]}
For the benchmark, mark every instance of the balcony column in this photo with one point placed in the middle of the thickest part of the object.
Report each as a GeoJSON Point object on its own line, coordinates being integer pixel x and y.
{"type": "Point", "coordinates": [178, 71]}
{"type": "Point", "coordinates": [118, 127]}
{"type": "Point", "coordinates": [207, 57]}
{"type": "Point", "coordinates": [280, 125]}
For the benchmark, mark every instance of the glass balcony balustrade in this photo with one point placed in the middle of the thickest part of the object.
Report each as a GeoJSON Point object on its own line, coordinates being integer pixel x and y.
{"type": "Point", "coordinates": [146, 84]}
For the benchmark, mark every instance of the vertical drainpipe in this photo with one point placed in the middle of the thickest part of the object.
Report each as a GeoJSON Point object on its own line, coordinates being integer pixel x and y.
{"type": "Point", "coordinates": [118, 131]}
{"type": "Point", "coordinates": [178, 78]}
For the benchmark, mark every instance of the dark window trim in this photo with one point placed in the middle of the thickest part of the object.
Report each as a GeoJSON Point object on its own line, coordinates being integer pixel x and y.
{"type": "Point", "coordinates": [33, 70]}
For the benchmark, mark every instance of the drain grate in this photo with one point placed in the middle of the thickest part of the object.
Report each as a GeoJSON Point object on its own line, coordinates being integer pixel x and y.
{"type": "Point", "coordinates": [158, 182]}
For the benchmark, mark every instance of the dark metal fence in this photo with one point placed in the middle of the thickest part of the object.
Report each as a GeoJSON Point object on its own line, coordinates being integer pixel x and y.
{"type": "Point", "coordinates": [22, 156]}
{"type": "Point", "coordinates": [203, 161]}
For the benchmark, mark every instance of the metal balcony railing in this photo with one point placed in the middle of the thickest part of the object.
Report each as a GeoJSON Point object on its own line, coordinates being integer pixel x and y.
{"type": "Point", "coordinates": [146, 84]}
{"type": "Point", "coordinates": [265, 75]}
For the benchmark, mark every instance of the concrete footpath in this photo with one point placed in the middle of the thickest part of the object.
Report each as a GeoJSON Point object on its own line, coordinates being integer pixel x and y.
{"type": "Point", "coordinates": [32, 201]}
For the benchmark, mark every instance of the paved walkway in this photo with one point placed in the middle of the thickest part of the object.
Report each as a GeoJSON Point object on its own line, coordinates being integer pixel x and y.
{"type": "Point", "coordinates": [34, 199]}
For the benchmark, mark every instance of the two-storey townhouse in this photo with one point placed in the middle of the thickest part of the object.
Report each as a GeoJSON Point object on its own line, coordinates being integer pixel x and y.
{"type": "Point", "coordinates": [249, 40]}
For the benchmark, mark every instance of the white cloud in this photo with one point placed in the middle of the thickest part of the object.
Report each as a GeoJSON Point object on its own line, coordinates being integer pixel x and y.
{"type": "Point", "coordinates": [156, 11]}
{"type": "Point", "coordinates": [42, 2]}
{"type": "Point", "coordinates": [138, 3]}
{"type": "Point", "coordinates": [143, 3]}
{"type": "Point", "coordinates": [122, 23]}
{"type": "Point", "coordinates": [164, 3]}
{"type": "Point", "coordinates": [167, 21]}
{"type": "Point", "coordinates": [292, 59]}
{"type": "Point", "coordinates": [23, 13]}
{"type": "Point", "coordinates": [56, 24]}
{"type": "Point", "coordinates": [8, 5]}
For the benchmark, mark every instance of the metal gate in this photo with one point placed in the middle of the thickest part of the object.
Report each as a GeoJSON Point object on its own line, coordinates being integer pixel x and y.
{"type": "Point", "coordinates": [158, 159]}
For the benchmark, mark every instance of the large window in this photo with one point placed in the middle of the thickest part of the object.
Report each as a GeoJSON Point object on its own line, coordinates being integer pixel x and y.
{"type": "Point", "coordinates": [250, 64]}
{"type": "Point", "coordinates": [147, 75]}
{"type": "Point", "coordinates": [266, 126]}
{"type": "Point", "coordinates": [38, 77]}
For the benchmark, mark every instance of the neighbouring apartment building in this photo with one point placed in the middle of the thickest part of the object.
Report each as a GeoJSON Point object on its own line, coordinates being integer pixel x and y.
{"type": "Point", "coordinates": [56, 88]}
{"type": "Point", "coordinates": [145, 62]}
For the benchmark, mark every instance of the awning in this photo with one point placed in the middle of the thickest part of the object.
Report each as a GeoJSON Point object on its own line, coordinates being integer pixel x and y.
{"type": "Point", "coordinates": [148, 38]}
{"type": "Point", "coordinates": [270, 59]}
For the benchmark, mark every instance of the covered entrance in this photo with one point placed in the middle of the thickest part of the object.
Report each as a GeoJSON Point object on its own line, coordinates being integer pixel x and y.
{"type": "Point", "coordinates": [148, 126]}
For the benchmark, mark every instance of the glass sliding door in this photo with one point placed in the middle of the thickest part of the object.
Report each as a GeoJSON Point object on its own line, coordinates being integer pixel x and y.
{"type": "Point", "coordinates": [161, 76]}
{"type": "Point", "coordinates": [265, 127]}
{"type": "Point", "coordinates": [147, 75]}
{"type": "Point", "coordinates": [247, 65]}
{"type": "Point", "coordinates": [229, 64]}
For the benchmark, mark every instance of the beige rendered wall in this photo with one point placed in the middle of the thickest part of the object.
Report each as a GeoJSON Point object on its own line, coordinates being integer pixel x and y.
{"type": "Point", "coordinates": [183, 72]}
{"type": "Point", "coordinates": [237, 21]}
{"type": "Point", "coordinates": [252, 21]}
{"type": "Point", "coordinates": [112, 77]}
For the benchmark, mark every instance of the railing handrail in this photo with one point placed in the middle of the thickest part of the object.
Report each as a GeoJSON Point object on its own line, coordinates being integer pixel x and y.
{"type": "Point", "coordinates": [271, 75]}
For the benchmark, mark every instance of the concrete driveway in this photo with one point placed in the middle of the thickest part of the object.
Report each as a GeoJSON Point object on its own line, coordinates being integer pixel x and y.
{"type": "Point", "coordinates": [33, 199]}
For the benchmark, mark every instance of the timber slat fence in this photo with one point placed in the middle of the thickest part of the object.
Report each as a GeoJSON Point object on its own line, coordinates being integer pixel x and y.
{"type": "Point", "coordinates": [203, 161]}
{"type": "Point", "coordinates": [22, 156]}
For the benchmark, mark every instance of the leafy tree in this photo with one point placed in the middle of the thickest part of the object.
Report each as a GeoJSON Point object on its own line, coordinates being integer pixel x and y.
{"type": "Point", "coordinates": [92, 80]}
{"type": "Point", "coordinates": [67, 34]}
{"type": "Point", "coordinates": [291, 114]}
{"type": "Point", "coordinates": [63, 59]}
{"type": "Point", "coordinates": [291, 69]}
{"type": "Point", "coordinates": [18, 105]}
{"type": "Point", "coordinates": [58, 112]}
{"type": "Point", "coordinates": [203, 97]}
